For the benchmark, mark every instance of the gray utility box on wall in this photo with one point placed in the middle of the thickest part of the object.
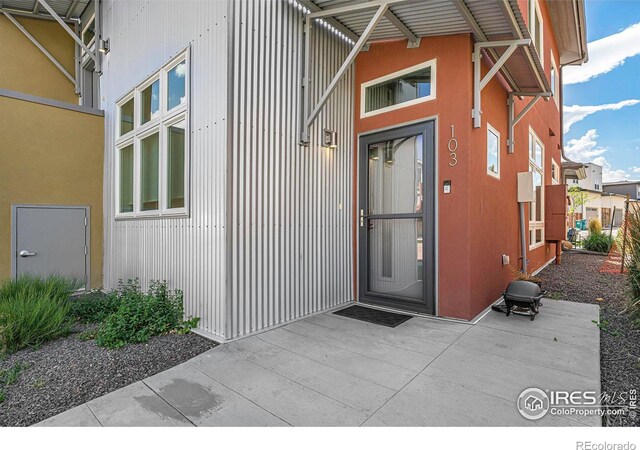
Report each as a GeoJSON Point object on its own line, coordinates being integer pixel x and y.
{"type": "Point", "coordinates": [526, 192]}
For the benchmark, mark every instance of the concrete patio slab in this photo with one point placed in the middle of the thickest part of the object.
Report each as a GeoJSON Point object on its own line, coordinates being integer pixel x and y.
{"type": "Point", "coordinates": [205, 402]}
{"type": "Point", "coordinates": [355, 392]}
{"type": "Point", "coordinates": [135, 406]}
{"type": "Point", "coordinates": [379, 372]}
{"type": "Point", "coordinates": [80, 416]}
{"type": "Point", "coordinates": [328, 370]}
{"type": "Point", "coordinates": [290, 401]}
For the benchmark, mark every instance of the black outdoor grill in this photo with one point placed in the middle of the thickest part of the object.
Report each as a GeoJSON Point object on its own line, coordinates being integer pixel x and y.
{"type": "Point", "coordinates": [522, 297]}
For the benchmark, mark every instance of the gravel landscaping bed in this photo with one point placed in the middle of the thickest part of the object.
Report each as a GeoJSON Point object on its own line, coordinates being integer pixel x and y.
{"type": "Point", "coordinates": [69, 371]}
{"type": "Point", "coordinates": [578, 279]}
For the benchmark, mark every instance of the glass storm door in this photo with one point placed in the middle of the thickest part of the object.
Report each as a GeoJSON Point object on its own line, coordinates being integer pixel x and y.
{"type": "Point", "coordinates": [396, 220]}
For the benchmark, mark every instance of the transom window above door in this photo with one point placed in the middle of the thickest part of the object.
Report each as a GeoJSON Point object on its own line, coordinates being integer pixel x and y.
{"type": "Point", "coordinates": [152, 145]}
{"type": "Point", "coordinates": [400, 89]}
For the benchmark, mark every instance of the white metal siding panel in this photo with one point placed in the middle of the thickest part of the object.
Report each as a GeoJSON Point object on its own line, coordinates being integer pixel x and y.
{"type": "Point", "coordinates": [188, 252]}
{"type": "Point", "coordinates": [291, 241]}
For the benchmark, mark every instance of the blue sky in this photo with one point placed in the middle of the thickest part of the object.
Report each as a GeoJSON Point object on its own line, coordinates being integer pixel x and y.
{"type": "Point", "coordinates": [602, 98]}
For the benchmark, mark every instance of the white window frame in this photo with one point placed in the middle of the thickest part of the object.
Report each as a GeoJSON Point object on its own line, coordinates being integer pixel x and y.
{"type": "Point", "coordinates": [160, 125]}
{"type": "Point", "coordinates": [84, 29]}
{"type": "Point", "coordinates": [125, 143]}
{"type": "Point", "coordinates": [119, 106]}
{"type": "Point", "coordinates": [431, 64]}
{"type": "Point", "coordinates": [555, 81]}
{"type": "Point", "coordinates": [534, 11]}
{"type": "Point", "coordinates": [554, 165]}
{"type": "Point", "coordinates": [535, 225]}
{"type": "Point", "coordinates": [492, 130]}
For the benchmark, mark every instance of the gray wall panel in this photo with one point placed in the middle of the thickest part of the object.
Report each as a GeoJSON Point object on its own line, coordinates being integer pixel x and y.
{"type": "Point", "coordinates": [291, 204]}
{"type": "Point", "coordinates": [187, 252]}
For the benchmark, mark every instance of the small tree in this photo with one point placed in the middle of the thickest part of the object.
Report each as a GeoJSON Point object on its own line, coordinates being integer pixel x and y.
{"type": "Point", "coordinates": [578, 198]}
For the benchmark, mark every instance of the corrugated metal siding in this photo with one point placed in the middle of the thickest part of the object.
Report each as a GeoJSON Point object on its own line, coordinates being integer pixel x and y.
{"type": "Point", "coordinates": [291, 241]}
{"type": "Point", "coordinates": [188, 252]}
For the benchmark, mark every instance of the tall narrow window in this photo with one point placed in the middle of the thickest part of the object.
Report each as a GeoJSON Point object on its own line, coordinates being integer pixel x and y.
{"type": "Point", "coordinates": [175, 165]}
{"type": "Point", "coordinates": [493, 152]}
{"type": "Point", "coordinates": [176, 86]}
{"type": "Point", "coordinates": [126, 117]}
{"type": "Point", "coordinates": [126, 179]}
{"type": "Point", "coordinates": [149, 171]}
{"type": "Point", "coordinates": [536, 207]}
{"type": "Point", "coordinates": [150, 100]}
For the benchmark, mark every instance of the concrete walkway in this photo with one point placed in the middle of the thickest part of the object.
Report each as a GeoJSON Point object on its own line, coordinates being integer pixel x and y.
{"type": "Point", "coordinates": [329, 370]}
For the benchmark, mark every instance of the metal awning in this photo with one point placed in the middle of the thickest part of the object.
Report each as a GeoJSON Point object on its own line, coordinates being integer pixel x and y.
{"type": "Point", "coordinates": [67, 9]}
{"type": "Point", "coordinates": [67, 13]}
{"type": "Point", "coordinates": [497, 26]}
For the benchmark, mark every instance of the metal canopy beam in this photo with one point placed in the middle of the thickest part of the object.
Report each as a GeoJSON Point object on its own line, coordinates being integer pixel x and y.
{"type": "Point", "coordinates": [414, 41]}
{"type": "Point", "coordinates": [480, 36]}
{"type": "Point", "coordinates": [308, 118]}
{"type": "Point", "coordinates": [330, 20]}
{"type": "Point", "coordinates": [513, 119]}
{"type": "Point", "coordinates": [58, 19]}
{"type": "Point", "coordinates": [72, 8]}
{"type": "Point", "coordinates": [478, 82]}
{"type": "Point", "coordinates": [35, 42]}
{"type": "Point", "coordinates": [332, 12]}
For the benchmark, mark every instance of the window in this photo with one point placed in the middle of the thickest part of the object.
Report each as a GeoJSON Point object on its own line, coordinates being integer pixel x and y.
{"type": "Point", "coordinates": [407, 87]}
{"type": "Point", "coordinates": [493, 152]}
{"type": "Point", "coordinates": [89, 32]}
{"type": "Point", "coordinates": [150, 102]}
{"type": "Point", "coordinates": [126, 117]}
{"type": "Point", "coordinates": [152, 145]}
{"type": "Point", "coordinates": [126, 179]}
{"type": "Point", "coordinates": [536, 207]}
{"type": "Point", "coordinates": [555, 172]}
{"type": "Point", "coordinates": [536, 28]}
{"type": "Point", "coordinates": [555, 81]}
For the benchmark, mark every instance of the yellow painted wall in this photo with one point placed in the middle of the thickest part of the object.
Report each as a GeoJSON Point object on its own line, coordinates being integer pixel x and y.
{"type": "Point", "coordinates": [50, 156]}
{"type": "Point", "coordinates": [26, 69]}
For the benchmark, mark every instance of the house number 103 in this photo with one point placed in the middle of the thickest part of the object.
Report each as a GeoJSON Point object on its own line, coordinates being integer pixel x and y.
{"type": "Point", "coordinates": [452, 146]}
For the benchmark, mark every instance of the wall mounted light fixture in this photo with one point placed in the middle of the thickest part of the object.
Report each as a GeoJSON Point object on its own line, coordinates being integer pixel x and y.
{"type": "Point", "coordinates": [104, 46]}
{"type": "Point", "coordinates": [329, 139]}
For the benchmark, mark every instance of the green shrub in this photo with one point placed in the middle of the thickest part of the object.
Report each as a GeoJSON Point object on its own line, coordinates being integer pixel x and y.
{"type": "Point", "coordinates": [34, 310]}
{"type": "Point", "coordinates": [595, 226]}
{"type": "Point", "coordinates": [55, 287]}
{"type": "Point", "coordinates": [600, 242]}
{"type": "Point", "coordinates": [143, 315]}
{"type": "Point", "coordinates": [95, 306]}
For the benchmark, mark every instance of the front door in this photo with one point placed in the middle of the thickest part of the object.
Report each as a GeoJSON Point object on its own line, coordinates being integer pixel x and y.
{"type": "Point", "coordinates": [397, 220]}
{"type": "Point", "coordinates": [51, 240]}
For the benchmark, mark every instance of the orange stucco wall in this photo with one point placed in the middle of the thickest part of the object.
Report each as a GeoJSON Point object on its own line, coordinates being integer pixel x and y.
{"type": "Point", "coordinates": [479, 221]}
{"type": "Point", "coordinates": [452, 106]}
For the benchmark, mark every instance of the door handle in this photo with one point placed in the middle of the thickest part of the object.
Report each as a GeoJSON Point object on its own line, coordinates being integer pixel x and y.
{"type": "Point", "coordinates": [25, 253]}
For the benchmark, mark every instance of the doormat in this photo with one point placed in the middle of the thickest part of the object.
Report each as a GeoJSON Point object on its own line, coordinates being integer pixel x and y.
{"type": "Point", "coordinates": [384, 318]}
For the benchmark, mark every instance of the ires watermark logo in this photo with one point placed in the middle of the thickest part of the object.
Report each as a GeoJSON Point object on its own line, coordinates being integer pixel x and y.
{"type": "Point", "coordinates": [535, 403]}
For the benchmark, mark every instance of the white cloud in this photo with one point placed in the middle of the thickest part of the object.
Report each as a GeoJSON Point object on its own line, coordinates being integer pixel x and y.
{"type": "Point", "coordinates": [605, 55]}
{"type": "Point", "coordinates": [609, 173]}
{"type": "Point", "coordinates": [636, 169]}
{"type": "Point", "coordinates": [181, 70]}
{"type": "Point", "coordinates": [585, 149]}
{"type": "Point", "coordinates": [575, 113]}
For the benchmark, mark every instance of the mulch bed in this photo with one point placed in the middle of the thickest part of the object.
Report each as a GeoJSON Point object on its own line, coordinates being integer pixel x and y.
{"type": "Point", "coordinates": [68, 372]}
{"type": "Point", "coordinates": [579, 279]}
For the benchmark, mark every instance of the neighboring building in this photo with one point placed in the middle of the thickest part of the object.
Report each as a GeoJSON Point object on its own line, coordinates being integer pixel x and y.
{"type": "Point", "coordinates": [630, 188]}
{"type": "Point", "coordinates": [593, 179]}
{"type": "Point", "coordinates": [51, 164]}
{"type": "Point", "coordinates": [272, 166]}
